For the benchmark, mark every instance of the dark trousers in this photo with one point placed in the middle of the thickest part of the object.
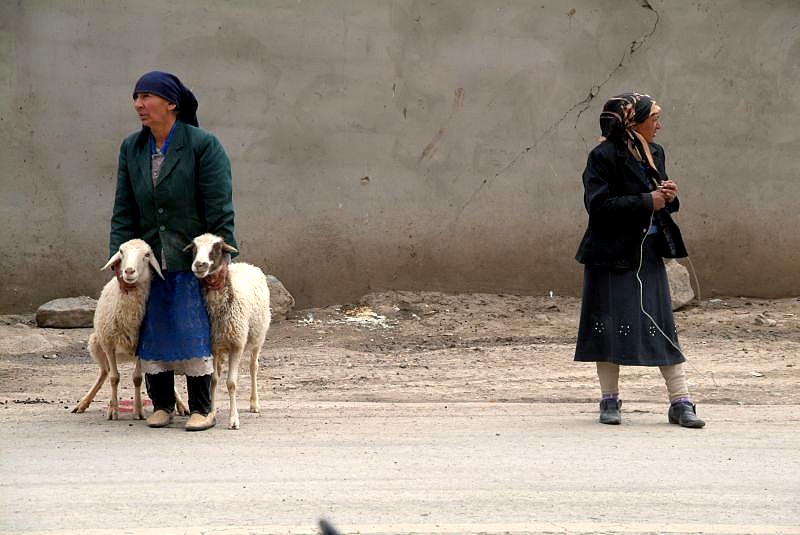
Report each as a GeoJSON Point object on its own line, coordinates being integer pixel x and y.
{"type": "Point", "coordinates": [161, 389]}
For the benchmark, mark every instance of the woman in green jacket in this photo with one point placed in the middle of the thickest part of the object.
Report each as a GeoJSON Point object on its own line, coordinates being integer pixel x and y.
{"type": "Point", "coordinates": [173, 183]}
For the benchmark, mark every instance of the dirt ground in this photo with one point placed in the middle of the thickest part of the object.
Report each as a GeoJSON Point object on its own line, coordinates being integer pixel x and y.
{"type": "Point", "coordinates": [428, 346]}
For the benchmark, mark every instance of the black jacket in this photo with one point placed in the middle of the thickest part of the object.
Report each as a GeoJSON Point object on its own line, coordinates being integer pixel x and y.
{"type": "Point", "coordinates": [617, 197]}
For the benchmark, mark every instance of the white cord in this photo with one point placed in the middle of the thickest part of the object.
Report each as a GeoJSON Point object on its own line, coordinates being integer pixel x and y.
{"type": "Point", "coordinates": [696, 280]}
{"type": "Point", "coordinates": [641, 305]}
{"type": "Point", "coordinates": [641, 291]}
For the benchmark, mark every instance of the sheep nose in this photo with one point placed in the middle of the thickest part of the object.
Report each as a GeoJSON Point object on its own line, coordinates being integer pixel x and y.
{"type": "Point", "coordinates": [201, 265]}
{"type": "Point", "coordinates": [129, 271]}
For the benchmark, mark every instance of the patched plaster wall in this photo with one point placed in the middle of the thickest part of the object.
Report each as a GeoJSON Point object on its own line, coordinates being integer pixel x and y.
{"type": "Point", "coordinates": [405, 144]}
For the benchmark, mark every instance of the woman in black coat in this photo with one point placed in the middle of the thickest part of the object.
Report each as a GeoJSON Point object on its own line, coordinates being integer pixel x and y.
{"type": "Point", "coordinates": [626, 314]}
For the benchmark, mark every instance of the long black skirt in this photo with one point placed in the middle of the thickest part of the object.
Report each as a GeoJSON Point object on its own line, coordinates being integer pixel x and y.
{"type": "Point", "coordinates": [613, 327]}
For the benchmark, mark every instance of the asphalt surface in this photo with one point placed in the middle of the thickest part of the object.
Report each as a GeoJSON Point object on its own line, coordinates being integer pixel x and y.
{"type": "Point", "coordinates": [381, 468]}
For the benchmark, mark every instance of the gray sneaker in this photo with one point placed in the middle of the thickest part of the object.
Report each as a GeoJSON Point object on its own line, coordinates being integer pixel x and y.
{"type": "Point", "coordinates": [609, 411]}
{"type": "Point", "coordinates": [685, 415]}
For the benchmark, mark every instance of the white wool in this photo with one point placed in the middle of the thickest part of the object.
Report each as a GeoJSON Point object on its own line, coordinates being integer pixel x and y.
{"type": "Point", "coordinates": [117, 320]}
{"type": "Point", "coordinates": [240, 318]}
{"type": "Point", "coordinates": [118, 317]}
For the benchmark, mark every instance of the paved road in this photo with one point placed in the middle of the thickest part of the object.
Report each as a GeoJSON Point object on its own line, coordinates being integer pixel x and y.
{"type": "Point", "coordinates": [375, 468]}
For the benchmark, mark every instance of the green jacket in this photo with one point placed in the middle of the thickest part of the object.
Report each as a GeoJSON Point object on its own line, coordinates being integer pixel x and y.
{"type": "Point", "coordinates": [193, 195]}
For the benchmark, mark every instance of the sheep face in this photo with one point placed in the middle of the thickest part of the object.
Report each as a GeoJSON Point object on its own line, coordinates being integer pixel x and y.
{"type": "Point", "coordinates": [209, 253]}
{"type": "Point", "coordinates": [134, 260]}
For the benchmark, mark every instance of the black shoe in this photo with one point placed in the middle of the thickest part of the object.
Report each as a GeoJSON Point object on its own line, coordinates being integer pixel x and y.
{"type": "Point", "coordinates": [609, 411]}
{"type": "Point", "coordinates": [685, 414]}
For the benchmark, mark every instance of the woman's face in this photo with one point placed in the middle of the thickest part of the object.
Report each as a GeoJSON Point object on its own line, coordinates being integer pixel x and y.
{"type": "Point", "coordinates": [153, 110]}
{"type": "Point", "coordinates": [649, 127]}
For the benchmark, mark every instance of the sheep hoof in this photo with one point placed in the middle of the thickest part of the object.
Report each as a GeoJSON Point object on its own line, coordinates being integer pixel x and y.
{"type": "Point", "coordinates": [255, 410]}
{"type": "Point", "coordinates": [79, 409]}
{"type": "Point", "coordinates": [234, 424]}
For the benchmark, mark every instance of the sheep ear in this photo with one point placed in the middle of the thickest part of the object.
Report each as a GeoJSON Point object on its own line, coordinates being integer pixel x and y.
{"type": "Point", "coordinates": [111, 261]}
{"type": "Point", "coordinates": [188, 247]}
{"type": "Point", "coordinates": [229, 248]}
{"type": "Point", "coordinates": [154, 263]}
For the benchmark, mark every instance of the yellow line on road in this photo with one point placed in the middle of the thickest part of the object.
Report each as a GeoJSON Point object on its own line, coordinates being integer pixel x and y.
{"type": "Point", "coordinates": [522, 528]}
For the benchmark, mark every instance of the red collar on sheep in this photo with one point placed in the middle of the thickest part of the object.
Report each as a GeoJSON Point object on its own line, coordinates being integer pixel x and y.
{"type": "Point", "coordinates": [124, 286]}
{"type": "Point", "coordinates": [216, 281]}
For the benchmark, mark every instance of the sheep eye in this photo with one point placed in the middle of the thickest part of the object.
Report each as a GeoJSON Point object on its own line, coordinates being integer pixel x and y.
{"type": "Point", "coordinates": [147, 255]}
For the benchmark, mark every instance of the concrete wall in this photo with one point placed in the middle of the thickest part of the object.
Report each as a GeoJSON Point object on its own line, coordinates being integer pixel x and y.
{"type": "Point", "coordinates": [404, 144]}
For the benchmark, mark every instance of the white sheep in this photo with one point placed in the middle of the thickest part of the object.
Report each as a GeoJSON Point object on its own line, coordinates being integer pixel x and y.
{"type": "Point", "coordinates": [117, 320]}
{"type": "Point", "coordinates": [238, 307]}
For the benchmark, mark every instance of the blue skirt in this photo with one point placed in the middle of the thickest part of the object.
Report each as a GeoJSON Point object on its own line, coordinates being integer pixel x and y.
{"type": "Point", "coordinates": [175, 325]}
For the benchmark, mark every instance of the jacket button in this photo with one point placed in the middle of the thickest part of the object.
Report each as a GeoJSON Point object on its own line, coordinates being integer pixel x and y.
{"type": "Point", "coordinates": [162, 228]}
{"type": "Point", "coordinates": [160, 210]}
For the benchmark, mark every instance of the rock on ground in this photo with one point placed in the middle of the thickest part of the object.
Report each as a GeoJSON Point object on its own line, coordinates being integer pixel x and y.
{"type": "Point", "coordinates": [281, 301]}
{"type": "Point", "coordinates": [680, 285]}
{"type": "Point", "coordinates": [67, 313]}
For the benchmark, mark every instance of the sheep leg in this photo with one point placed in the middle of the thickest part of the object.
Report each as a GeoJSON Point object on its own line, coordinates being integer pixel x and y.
{"type": "Point", "coordinates": [113, 378]}
{"type": "Point", "coordinates": [233, 378]}
{"type": "Point", "coordinates": [180, 406]}
{"type": "Point", "coordinates": [100, 358]}
{"type": "Point", "coordinates": [218, 356]}
{"type": "Point", "coordinates": [254, 402]}
{"type": "Point", "coordinates": [138, 411]}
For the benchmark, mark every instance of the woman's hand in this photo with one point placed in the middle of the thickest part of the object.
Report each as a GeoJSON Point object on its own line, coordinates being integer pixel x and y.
{"type": "Point", "coordinates": [659, 200]}
{"type": "Point", "coordinates": [669, 189]}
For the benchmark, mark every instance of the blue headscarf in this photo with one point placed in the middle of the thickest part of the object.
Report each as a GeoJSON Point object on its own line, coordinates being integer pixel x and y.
{"type": "Point", "coordinates": [169, 87]}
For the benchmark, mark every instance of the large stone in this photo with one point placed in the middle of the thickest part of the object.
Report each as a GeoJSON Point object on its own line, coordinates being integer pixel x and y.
{"type": "Point", "coordinates": [281, 301]}
{"type": "Point", "coordinates": [680, 285]}
{"type": "Point", "coordinates": [67, 313]}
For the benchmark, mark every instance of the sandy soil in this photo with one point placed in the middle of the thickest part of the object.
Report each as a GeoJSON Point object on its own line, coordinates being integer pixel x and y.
{"type": "Point", "coordinates": [428, 346]}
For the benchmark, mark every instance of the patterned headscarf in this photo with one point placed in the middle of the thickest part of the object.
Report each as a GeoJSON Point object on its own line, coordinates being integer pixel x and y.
{"type": "Point", "coordinates": [169, 87]}
{"type": "Point", "coordinates": [620, 114]}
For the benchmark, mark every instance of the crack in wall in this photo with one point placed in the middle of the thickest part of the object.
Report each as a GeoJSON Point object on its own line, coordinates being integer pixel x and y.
{"type": "Point", "coordinates": [635, 45]}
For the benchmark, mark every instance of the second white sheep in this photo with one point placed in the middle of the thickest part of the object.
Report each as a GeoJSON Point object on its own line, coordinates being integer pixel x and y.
{"type": "Point", "coordinates": [237, 299]}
